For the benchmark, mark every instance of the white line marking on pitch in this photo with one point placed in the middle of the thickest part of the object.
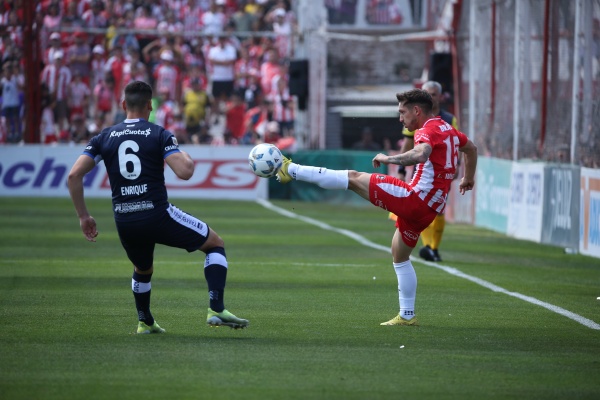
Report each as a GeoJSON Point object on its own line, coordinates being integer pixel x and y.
{"type": "Point", "coordinates": [452, 271]}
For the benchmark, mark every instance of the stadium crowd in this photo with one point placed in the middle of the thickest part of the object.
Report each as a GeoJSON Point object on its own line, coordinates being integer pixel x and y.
{"type": "Point", "coordinates": [218, 68]}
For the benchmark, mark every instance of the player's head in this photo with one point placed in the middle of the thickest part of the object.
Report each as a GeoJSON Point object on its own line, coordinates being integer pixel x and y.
{"type": "Point", "coordinates": [435, 91]}
{"type": "Point", "coordinates": [138, 97]}
{"type": "Point", "coordinates": [414, 107]}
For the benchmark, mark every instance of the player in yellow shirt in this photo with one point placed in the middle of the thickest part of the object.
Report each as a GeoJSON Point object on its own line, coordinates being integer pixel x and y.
{"type": "Point", "coordinates": [432, 235]}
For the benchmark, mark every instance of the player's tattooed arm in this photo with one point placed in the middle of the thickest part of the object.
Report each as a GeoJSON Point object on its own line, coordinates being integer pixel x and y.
{"type": "Point", "coordinates": [420, 153]}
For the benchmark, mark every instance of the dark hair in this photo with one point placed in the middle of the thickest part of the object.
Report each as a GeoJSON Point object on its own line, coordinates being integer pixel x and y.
{"type": "Point", "coordinates": [137, 95]}
{"type": "Point", "coordinates": [416, 96]}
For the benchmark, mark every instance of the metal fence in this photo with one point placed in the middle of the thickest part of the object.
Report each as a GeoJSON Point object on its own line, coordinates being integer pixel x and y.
{"type": "Point", "coordinates": [528, 75]}
{"type": "Point", "coordinates": [530, 80]}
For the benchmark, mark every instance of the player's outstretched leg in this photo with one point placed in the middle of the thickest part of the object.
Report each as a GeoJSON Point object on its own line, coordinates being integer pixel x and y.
{"type": "Point", "coordinates": [322, 177]}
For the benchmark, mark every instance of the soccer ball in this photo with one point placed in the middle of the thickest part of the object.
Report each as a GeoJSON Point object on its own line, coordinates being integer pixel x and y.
{"type": "Point", "coordinates": [265, 160]}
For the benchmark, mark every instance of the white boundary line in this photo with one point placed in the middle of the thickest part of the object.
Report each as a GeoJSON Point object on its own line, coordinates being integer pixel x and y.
{"type": "Point", "coordinates": [452, 271]}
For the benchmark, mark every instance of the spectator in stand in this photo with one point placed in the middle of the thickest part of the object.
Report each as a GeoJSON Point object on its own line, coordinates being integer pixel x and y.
{"type": "Point", "coordinates": [195, 59]}
{"type": "Point", "coordinates": [167, 77]}
{"type": "Point", "coordinates": [58, 77]}
{"type": "Point", "coordinates": [114, 66]}
{"type": "Point", "coordinates": [52, 17]}
{"type": "Point", "coordinates": [268, 70]}
{"type": "Point", "coordinates": [204, 137]}
{"type": "Point", "coordinates": [283, 107]}
{"type": "Point", "coordinates": [255, 120]}
{"type": "Point", "coordinates": [283, 25]}
{"type": "Point", "coordinates": [179, 130]}
{"type": "Point", "coordinates": [246, 77]}
{"type": "Point", "coordinates": [191, 16]}
{"type": "Point", "coordinates": [104, 99]}
{"type": "Point", "coordinates": [78, 131]}
{"type": "Point", "coordinates": [134, 69]}
{"type": "Point", "coordinates": [11, 103]}
{"type": "Point", "coordinates": [146, 21]}
{"type": "Point", "coordinates": [47, 123]}
{"type": "Point", "coordinates": [271, 132]}
{"type": "Point", "coordinates": [170, 24]}
{"type": "Point", "coordinates": [222, 58]}
{"type": "Point", "coordinates": [234, 119]}
{"type": "Point", "coordinates": [196, 104]}
{"type": "Point", "coordinates": [167, 110]}
{"type": "Point", "coordinates": [244, 20]}
{"type": "Point", "coordinates": [120, 34]}
{"type": "Point", "coordinates": [79, 56]}
{"type": "Point", "coordinates": [214, 19]}
{"type": "Point", "coordinates": [366, 142]}
{"type": "Point", "coordinates": [72, 18]}
{"type": "Point", "coordinates": [78, 96]}
{"type": "Point", "coordinates": [55, 46]}
{"type": "Point", "coordinates": [95, 17]}
{"type": "Point", "coordinates": [97, 65]}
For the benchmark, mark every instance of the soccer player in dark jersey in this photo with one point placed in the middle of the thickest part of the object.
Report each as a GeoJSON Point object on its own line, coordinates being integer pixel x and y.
{"type": "Point", "coordinates": [134, 153]}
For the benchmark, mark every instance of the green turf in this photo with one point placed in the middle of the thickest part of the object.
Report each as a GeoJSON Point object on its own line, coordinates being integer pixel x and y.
{"type": "Point", "coordinates": [67, 312]}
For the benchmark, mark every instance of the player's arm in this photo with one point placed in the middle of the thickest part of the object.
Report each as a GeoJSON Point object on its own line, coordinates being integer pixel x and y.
{"type": "Point", "coordinates": [470, 152]}
{"type": "Point", "coordinates": [182, 164]}
{"type": "Point", "coordinates": [419, 154]}
{"type": "Point", "coordinates": [82, 166]}
{"type": "Point", "coordinates": [407, 144]}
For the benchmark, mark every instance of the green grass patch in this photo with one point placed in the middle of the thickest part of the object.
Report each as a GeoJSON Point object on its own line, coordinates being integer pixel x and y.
{"type": "Point", "coordinates": [67, 312]}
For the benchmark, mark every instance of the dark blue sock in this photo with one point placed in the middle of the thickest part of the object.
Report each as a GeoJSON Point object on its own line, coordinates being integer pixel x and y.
{"type": "Point", "coordinates": [215, 272]}
{"type": "Point", "coordinates": [142, 300]}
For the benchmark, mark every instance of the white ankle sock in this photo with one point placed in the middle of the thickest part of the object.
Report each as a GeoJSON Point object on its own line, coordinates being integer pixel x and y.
{"type": "Point", "coordinates": [323, 177]}
{"type": "Point", "coordinates": [407, 288]}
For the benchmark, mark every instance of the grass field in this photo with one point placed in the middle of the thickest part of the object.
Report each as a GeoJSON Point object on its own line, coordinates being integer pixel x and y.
{"type": "Point", "coordinates": [315, 298]}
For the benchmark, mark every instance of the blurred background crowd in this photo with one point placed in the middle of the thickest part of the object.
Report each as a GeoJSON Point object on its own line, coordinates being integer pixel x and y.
{"type": "Point", "coordinates": [219, 68]}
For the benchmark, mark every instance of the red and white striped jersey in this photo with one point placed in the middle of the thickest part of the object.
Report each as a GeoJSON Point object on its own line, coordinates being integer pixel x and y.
{"type": "Point", "coordinates": [432, 179]}
{"type": "Point", "coordinates": [166, 79]}
{"type": "Point", "coordinates": [283, 105]}
{"type": "Point", "coordinates": [57, 78]}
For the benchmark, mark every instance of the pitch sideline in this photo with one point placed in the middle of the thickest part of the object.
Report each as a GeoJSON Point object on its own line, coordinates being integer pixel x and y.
{"type": "Point", "coordinates": [452, 271]}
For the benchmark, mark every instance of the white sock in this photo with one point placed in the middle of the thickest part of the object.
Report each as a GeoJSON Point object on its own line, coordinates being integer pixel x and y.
{"type": "Point", "coordinates": [323, 177]}
{"type": "Point", "coordinates": [407, 288]}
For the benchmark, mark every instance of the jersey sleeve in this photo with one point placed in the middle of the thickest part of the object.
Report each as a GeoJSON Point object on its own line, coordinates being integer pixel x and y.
{"type": "Point", "coordinates": [93, 148]}
{"type": "Point", "coordinates": [169, 143]}
{"type": "Point", "coordinates": [463, 139]}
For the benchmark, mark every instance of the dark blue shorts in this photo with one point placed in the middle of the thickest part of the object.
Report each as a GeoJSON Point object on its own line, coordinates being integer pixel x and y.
{"type": "Point", "coordinates": [172, 227]}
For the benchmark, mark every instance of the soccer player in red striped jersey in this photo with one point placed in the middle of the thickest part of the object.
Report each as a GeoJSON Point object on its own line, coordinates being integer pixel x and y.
{"type": "Point", "coordinates": [435, 156]}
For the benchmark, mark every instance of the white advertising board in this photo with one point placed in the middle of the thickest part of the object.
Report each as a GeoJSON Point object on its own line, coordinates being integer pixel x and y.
{"type": "Point", "coordinates": [526, 201]}
{"type": "Point", "coordinates": [589, 212]}
{"type": "Point", "coordinates": [38, 170]}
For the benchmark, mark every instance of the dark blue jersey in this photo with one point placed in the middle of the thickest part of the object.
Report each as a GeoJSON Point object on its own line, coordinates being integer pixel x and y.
{"type": "Point", "coordinates": [134, 152]}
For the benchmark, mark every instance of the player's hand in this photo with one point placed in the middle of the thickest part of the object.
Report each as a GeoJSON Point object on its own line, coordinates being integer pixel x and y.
{"type": "Point", "coordinates": [465, 184]}
{"type": "Point", "coordinates": [88, 227]}
{"type": "Point", "coordinates": [380, 159]}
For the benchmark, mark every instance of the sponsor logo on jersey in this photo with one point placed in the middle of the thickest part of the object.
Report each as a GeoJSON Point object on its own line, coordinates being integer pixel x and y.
{"type": "Point", "coordinates": [144, 132]}
{"type": "Point", "coordinates": [410, 234]}
{"type": "Point", "coordinates": [174, 147]}
{"type": "Point", "coordinates": [124, 208]}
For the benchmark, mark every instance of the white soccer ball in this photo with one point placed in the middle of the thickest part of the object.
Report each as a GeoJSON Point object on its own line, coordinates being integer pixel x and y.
{"type": "Point", "coordinates": [265, 160]}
